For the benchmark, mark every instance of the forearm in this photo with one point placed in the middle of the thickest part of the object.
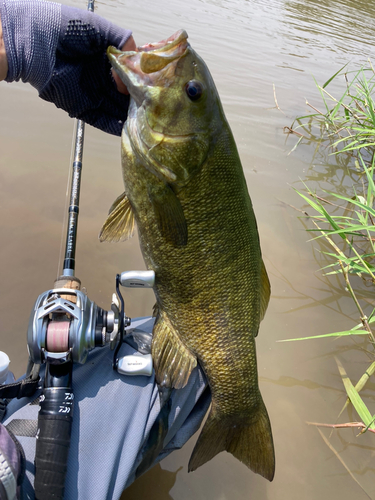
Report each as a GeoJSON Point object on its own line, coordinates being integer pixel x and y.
{"type": "Point", "coordinates": [3, 56]}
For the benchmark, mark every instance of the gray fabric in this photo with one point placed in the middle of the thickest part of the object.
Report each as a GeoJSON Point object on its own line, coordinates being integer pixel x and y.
{"type": "Point", "coordinates": [61, 51]}
{"type": "Point", "coordinates": [10, 465]}
{"type": "Point", "coordinates": [31, 32]}
{"type": "Point", "coordinates": [22, 427]}
{"type": "Point", "coordinates": [7, 479]}
{"type": "Point", "coordinates": [113, 416]}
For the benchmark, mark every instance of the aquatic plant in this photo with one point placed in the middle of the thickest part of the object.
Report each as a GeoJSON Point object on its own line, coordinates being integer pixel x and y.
{"type": "Point", "coordinates": [346, 223]}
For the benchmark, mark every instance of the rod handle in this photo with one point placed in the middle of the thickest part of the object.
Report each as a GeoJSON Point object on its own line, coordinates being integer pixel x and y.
{"type": "Point", "coordinates": [53, 441]}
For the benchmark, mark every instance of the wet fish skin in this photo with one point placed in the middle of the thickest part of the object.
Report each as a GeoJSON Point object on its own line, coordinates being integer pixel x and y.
{"type": "Point", "coordinates": [185, 188]}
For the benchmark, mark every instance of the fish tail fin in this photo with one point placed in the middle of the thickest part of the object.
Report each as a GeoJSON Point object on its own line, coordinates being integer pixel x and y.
{"type": "Point", "coordinates": [251, 443]}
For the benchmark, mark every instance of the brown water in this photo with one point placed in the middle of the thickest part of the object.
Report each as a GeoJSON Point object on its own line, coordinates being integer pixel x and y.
{"type": "Point", "coordinates": [248, 46]}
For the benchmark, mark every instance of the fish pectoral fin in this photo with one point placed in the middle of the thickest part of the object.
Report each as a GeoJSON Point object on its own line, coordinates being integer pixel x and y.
{"type": "Point", "coordinates": [118, 202]}
{"type": "Point", "coordinates": [265, 291]}
{"type": "Point", "coordinates": [173, 361]}
{"type": "Point", "coordinates": [120, 222]}
{"type": "Point", "coordinates": [169, 215]}
{"type": "Point", "coordinates": [250, 442]}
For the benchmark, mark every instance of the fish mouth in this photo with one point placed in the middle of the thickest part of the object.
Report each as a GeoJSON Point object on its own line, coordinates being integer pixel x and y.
{"type": "Point", "coordinates": [151, 64]}
{"type": "Point", "coordinates": [146, 72]}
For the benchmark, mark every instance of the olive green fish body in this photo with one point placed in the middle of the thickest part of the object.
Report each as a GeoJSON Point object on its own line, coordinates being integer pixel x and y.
{"type": "Point", "coordinates": [208, 288]}
{"type": "Point", "coordinates": [185, 188]}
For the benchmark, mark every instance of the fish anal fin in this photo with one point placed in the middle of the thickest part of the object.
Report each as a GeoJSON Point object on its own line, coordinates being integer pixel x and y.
{"type": "Point", "coordinates": [120, 222]}
{"type": "Point", "coordinates": [169, 214]}
{"type": "Point", "coordinates": [173, 361]}
{"type": "Point", "coordinates": [251, 443]}
{"type": "Point", "coordinates": [265, 291]}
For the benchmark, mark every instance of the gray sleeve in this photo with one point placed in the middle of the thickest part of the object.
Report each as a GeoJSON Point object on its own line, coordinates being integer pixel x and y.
{"type": "Point", "coordinates": [31, 32]}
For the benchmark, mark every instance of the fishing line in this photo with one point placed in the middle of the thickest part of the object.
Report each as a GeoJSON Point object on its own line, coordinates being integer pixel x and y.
{"type": "Point", "coordinates": [67, 194]}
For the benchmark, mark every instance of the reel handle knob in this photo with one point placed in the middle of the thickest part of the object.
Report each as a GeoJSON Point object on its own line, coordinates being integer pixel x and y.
{"type": "Point", "coordinates": [137, 279]}
{"type": "Point", "coordinates": [135, 364]}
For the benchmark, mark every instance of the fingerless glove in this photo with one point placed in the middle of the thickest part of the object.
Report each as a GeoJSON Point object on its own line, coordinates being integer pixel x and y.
{"type": "Point", "coordinates": [61, 51]}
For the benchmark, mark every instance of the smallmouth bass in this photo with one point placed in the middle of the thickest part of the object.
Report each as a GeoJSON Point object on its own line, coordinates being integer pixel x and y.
{"type": "Point", "coordinates": [186, 191]}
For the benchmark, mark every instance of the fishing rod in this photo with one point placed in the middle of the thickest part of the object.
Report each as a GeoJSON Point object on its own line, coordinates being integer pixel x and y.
{"type": "Point", "coordinates": [64, 326]}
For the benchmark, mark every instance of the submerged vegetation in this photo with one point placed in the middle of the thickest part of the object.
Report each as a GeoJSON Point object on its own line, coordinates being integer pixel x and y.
{"type": "Point", "coordinates": [347, 223]}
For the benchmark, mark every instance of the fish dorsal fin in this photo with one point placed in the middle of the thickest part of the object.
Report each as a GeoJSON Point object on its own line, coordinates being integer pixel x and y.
{"type": "Point", "coordinates": [169, 214]}
{"type": "Point", "coordinates": [173, 361]}
{"type": "Point", "coordinates": [119, 225]}
{"type": "Point", "coordinates": [265, 291]}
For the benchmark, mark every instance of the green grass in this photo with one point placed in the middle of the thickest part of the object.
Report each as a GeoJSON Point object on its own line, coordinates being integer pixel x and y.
{"type": "Point", "coordinates": [347, 122]}
{"type": "Point", "coordinates": [347, 223]}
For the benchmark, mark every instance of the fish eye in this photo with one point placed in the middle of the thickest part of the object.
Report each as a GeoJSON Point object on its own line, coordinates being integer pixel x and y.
{"type": "Point", "coordinates": [194, 90]}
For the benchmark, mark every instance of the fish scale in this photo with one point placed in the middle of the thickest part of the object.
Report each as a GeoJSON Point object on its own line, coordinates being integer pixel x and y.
{"type": "Point", "coordinates": [185, 188]}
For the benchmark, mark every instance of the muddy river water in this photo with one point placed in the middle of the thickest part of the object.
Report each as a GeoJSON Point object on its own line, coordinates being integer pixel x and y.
{"type": "Point", "coordinates": [249, 45]}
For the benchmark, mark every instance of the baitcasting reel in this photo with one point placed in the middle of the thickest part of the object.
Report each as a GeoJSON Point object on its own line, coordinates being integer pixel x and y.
{"type": "Point", "coordinates": [65, 324]}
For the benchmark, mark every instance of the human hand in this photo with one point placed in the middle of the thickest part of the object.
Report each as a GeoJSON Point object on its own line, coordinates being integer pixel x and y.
{"type": "Point", "coordinates": [61, 51]}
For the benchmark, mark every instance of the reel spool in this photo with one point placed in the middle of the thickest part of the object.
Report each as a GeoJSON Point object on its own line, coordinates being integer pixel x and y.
{"type": "Point", "coordinates": [57, 338]}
